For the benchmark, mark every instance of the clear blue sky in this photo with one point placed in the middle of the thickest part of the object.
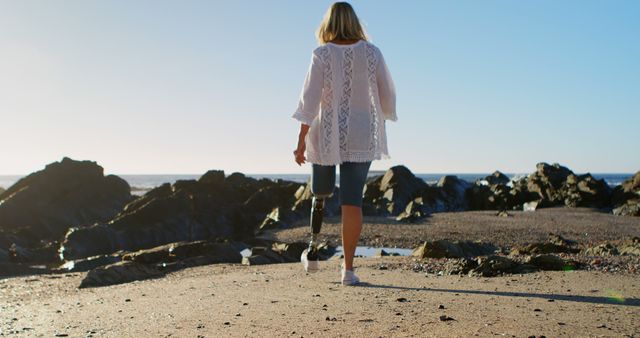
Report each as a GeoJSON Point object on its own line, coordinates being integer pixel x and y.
{"type": "Point", "coordinates": [187, 86]}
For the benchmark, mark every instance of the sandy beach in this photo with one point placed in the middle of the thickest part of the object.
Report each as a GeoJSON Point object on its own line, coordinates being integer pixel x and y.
{"type": "Point", "coordinates": [396, 299]}
{"type": "Point", "coordinates": [282, 300]}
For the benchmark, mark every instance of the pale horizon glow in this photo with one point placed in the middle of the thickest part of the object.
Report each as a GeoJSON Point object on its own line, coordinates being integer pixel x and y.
{"type": "Point", "coordinates": [162, 87]}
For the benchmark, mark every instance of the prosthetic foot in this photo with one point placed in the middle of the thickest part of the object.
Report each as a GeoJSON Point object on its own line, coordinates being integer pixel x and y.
{"type": "Point", "coordinates": [309, 257]}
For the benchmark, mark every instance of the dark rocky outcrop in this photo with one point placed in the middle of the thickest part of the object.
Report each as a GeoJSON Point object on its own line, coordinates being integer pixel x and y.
{"type": "Point", "coordinates": [549, 186]}
{"type": "Point", "coordinates": [453, 249]}
{"type": "Point", "coordinates": [68, 193]}
{"type": "Point", "coordinates": [547, 182]}
{"type": "Point", "coordinates": [42, 206]}
{"type": "Point", "coordinates": [625, 198]}
{"type": "Point", "coordinates": [400, 193]}
{"type": "Point", "coordinates": [557, 185]}
{"type": "Point", "coordinates": [390, 193]}
{"type": "Point", "coordinates": [211, 207]}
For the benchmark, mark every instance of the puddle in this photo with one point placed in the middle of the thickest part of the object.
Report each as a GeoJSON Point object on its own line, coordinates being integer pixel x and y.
{"type": "Point", "coordinates": [362, 251]}
{"type": "Point", "coordinates": [369, 251]}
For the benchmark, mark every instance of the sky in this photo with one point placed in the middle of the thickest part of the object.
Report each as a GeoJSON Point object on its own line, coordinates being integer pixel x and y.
{"type": "Point", "coordinates": [161, 87]}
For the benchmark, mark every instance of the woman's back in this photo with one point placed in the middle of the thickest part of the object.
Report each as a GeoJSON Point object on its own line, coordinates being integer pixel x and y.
{"type": "Point", "coordinates": [347, 95]}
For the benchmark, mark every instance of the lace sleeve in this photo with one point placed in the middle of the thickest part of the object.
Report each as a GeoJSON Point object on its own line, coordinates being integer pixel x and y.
{"type": "Point", "coordinates": [386, 90]}
{"type": "Point", "coordinates": [311, 95]}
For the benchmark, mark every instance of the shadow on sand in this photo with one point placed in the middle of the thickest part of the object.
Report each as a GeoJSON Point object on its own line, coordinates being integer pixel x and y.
{"type": "Point", "coordinates": [613, 300]}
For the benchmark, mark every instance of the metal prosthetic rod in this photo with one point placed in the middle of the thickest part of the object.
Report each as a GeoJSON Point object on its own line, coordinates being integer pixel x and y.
{"type": "Point", "coordinates": [317, 215]}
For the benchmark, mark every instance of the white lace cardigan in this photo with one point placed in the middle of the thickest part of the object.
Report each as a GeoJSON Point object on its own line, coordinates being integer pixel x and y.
{"type": "Point", "coordinates": [347, 96]}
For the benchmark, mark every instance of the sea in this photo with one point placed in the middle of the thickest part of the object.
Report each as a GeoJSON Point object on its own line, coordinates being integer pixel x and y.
{"type": "Point", "coordinates": [141, 183]}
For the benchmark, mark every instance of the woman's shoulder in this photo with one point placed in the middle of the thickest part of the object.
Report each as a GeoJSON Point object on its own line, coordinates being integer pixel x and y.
{"type": "Point", "coordinates": [371, 45]}
{"type": "Point", "coordinates": [320, 50]}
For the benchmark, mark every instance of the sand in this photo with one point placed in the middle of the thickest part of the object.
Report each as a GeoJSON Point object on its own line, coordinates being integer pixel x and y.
{"type": "Point", "coordinates": [584, 225]}
{"type": "Point", "coordinates": [231, 300]}
{"type": "Point", "coordinates": [282, 300]}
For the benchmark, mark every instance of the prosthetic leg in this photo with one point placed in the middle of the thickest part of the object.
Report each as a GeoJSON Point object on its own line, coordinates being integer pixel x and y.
{"type": "Point", "coordinates": [310, 258]}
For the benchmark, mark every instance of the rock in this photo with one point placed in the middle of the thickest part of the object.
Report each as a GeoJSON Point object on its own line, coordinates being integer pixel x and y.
{"type": "Point", "coordinates": [460, 266]}
{"type": "Point", "coordinates": [279, 218]}
{"type": "Point", "coordinates": [559, 240]}
{"type": "Point", "coordinates": [187, 211]}
{"type": "Point", "coordinates": [303, 198]}
{"type": "Point", "coordinates": [89, 263]}
{"type": "Point", "coordinates": [628, 190]}
{"type": "Point", "coordinates": [554, 244]}
{"type": "Point", "coordinates": [495, 265]}
{"type": "Point", "coordinates": [373, 203]}
{"type": "Point", "coordinates": [543, 248]}
{"type": "Point", "coordinates": [395, 189]}
{"type": "Point", "coordinates": [415, 211]}
{"type": "Point", "coordinates": [556, 185]}
{"type": "Point", "coordinates": [586, 191]}
{"type": "Point", "coordinates": [267, 199]}
{"type": "Point", "coordinates": [630, 247]}
{"type": "Point", "coordinates": [490, 197]}
{"type": "Point", "coordinates": [547, 182]}
{"type": "Point", "coordinates": [118, 273]}
{"type": "Point", "coordinates": [284, 253]}
{"type": "Point", "coordinates": [454, 192]}
{"type": "Point", "coordinates": [290, 251]}
{"type": "Point", "coordinates": [381, 253]}
{"type": "Point", "coordinates": [217, 252]}
{"type": "Point", "coordinates": [453, 249]}
{"type": "Point", "coordinates": [20, 269]}
{"type": "Point", "coordinates": [605, 249]}
{"type": "Point", "coordinates": [551, 262]}
{"type": "Point", "coordinates": [2, 190]}
{"type": "Point", "coordinates": [214, 177]}
{"type": "Point", "coordinates": [629, 208]}
{"type": "Point", "coordinates": [497, 178]}
{"type": "Point", "coordinates": [44, 205]}
{"type": "Point", "coordinates": [503, 213]}
{"type": "Point", "coordinates": [263, 255]}
{"type": "Point", "coordinates": [40, 254]}
{"type": "Point", "coordinates": [531, 206]}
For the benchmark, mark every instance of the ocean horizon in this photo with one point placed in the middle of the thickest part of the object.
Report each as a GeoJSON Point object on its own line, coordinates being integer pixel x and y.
{"type": "Point", "coordinates": [141, 183]}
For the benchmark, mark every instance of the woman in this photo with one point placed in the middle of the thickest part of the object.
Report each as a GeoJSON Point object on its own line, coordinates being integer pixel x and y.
{"type": "Point", "coordinates": [347, 96]}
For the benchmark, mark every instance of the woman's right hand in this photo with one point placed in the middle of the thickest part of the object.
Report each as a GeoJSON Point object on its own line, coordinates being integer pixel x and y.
{"type": "Point", "coordinates": [302, 146]}
{"type": "Point", "coordinates": [299, 153]}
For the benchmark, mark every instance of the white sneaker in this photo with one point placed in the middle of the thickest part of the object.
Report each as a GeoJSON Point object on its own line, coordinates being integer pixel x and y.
{"type": "Point", "coordinates": [349, 277]}
{"type": "Point", "coordinates": [309, 266]}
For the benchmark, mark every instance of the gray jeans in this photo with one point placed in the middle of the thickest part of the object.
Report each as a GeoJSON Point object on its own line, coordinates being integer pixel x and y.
{"type": "Point", "coordinates": [353, 176]}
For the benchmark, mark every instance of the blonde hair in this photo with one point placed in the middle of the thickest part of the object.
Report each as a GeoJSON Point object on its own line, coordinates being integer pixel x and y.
{"type": "Point", "coordinates": [340, 23]}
